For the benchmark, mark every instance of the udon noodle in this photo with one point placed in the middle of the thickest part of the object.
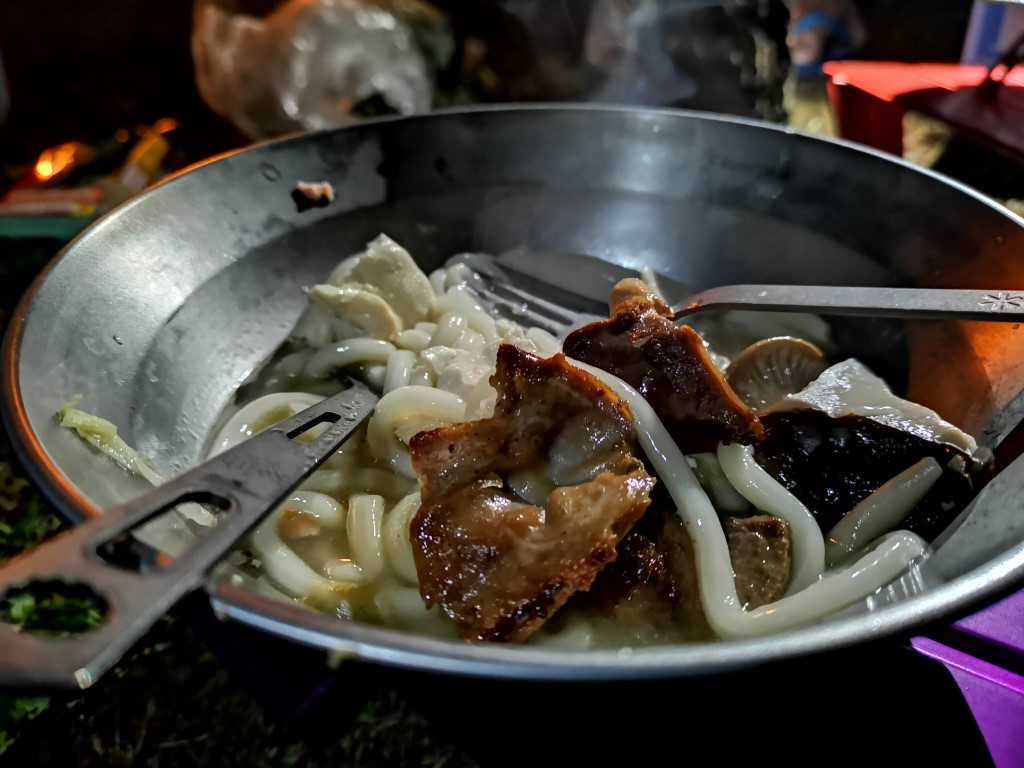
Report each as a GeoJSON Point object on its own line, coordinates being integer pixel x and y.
{"type": "Point", "coordinates": [341, 542]}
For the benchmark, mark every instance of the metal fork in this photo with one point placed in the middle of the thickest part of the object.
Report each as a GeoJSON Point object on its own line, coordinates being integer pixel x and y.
{"type": "Point", "coordinates": [541, 289]}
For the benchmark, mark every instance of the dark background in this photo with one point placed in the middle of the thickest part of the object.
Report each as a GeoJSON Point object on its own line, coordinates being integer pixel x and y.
{"type": "Point", "coordinates": [83, 70]}
{"type": "Point", "coordinates": [196, 693]}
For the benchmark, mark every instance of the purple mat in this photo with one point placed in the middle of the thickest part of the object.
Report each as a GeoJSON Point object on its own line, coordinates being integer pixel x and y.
{"type": "Point", "coordinates": [985, 655]}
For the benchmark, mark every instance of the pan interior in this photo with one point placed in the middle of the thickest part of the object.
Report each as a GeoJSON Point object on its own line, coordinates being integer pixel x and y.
{"type": "Point", "coordinates": [157, 314]}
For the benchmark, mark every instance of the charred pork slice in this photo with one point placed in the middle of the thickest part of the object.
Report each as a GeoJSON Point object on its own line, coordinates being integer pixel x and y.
{"type": "Point", "coordinates": [670, 366]}
{"type": "Point", "coordinates": [496, 562]}
{"type": "Point", "coordinates": [653, 583]}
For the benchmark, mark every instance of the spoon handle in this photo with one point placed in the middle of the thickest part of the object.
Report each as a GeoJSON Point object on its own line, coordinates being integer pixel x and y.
{"type": "Point", "coordinates": [244, 482]}
{"type": "Point", "coordinates": [922, 303]}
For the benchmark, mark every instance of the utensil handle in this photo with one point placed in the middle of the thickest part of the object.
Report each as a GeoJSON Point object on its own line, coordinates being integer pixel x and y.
{"type": "Point", "coordinates": [245, 482]}
{"type": "Point", "coordinates": [923, 303]}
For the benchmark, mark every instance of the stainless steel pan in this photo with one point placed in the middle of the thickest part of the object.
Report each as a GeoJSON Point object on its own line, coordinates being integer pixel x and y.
{"type": "Point", "coordinates": [156, 313]}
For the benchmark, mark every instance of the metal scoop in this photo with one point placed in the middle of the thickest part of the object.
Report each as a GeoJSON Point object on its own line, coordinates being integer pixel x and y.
{"type": "Point", "coordinates": [245, 482]}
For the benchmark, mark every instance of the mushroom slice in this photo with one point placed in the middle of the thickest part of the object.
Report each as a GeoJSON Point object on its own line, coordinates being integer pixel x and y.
{"type": "Point", "coordinates": [768, 370]}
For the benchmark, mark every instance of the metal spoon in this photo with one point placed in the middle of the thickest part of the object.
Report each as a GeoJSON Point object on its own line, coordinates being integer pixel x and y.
{"type": "Point", "coordinates": [562, 291]}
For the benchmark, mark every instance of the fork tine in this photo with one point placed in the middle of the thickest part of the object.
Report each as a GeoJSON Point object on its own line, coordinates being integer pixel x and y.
{"type": "Point", "coordinates": [556, 312]}
{"type": "Point", "coordinates": [520, 307]}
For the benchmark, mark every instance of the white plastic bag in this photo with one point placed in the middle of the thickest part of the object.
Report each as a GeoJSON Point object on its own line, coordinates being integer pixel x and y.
{"type": "Point", "coordinates": [307, 65]}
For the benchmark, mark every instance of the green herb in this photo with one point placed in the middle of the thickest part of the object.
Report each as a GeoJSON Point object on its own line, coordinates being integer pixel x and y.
{"type": "Point", "coordinates": [14, 709]}
{"type": "Point", "coordinates": [86, 424]}
{"type": "Point", "coordinates": [12, 485]}
{"type": "Point", "coordinates": [55, 613]}
{"type": "Point", "coordinates": [29, 528]}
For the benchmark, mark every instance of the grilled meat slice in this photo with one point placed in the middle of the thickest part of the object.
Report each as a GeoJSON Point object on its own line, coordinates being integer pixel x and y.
{"type": "Point", "coordinates": [670, 366]}
{"type": "Point", "coordinates": [500, 564]}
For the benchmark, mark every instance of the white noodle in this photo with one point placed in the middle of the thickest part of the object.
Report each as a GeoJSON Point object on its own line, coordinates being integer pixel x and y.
{"type": "Point", "coordinates": [345, 572]}
{"type": "Point", "coordinates": [319, 506]}
{"type": "Point", "coordinates": [457, 301]}
{"type": "Point", "coordinates": [421, 376]}
{"type": "Point", "coordinates": [413, 339]}
{"type": "Point", "coordinates": [437, 281]}
{"type": "Point", "coordinates": [882, 511]}
{"type": "Point", "coordinates": [340, 483]}
{"type": "Point", "coordinates": [412, 409]}
{"type": "Point", "coordinates": [723, 495]}
{"type": "Point", "coordinates": [768, 495]}
{"type": "Point", "coordinates": [374, 376]}
{"type": "Point", "coordinates": [399, 369]}
{"type": "Point", "coordinates": [258, 415]}
{"type": "Point", "coordinates": [546, 344]}
{"type": "Point", "coordinates": [330, 358]}
{"type": "Point", "coordinates": [396, 538]}
{"type": "Point", "coordinates": [458, 274]}
{"type": "Point", "coordinates": [279, 562]}
{"type": "Point", "coordinates": [365, 515]}
{"type": "Point", "coordinates": [451, 329]}
{"type": "Point", "coordinates": [401, 605]}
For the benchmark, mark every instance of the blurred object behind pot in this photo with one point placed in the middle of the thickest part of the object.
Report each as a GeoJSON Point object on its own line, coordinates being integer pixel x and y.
{"type": "Point", "coordinates": [724, 56]}
{"type": "Point", "coordinates": [625, 42]}
{"type": "Point", "coordinates": [5, 99]}
{"type": "Point", "coordinates": [312, 64]}
{"type": "Point", "coordinates": [277, 66]}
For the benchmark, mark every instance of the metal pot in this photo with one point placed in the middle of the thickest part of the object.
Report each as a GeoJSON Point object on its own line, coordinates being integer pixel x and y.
{"type": "Point", "coordinates": [160, 310]}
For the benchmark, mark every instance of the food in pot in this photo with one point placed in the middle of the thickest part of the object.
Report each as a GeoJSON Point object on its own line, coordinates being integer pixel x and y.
{"type": "Point", "coordinates": [632, 486]}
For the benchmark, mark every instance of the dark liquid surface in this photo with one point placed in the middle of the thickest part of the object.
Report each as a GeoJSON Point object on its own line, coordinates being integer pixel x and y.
{"type": "Point", "coordinates": [831, 465]}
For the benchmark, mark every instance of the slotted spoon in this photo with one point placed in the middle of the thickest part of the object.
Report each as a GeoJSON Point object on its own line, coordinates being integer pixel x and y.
{"type": "Point", "coordinates": [245, 482]}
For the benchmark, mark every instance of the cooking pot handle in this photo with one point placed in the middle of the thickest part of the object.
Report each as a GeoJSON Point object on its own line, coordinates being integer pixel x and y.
{"type": "Point", "coordinates": [244, 482]}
